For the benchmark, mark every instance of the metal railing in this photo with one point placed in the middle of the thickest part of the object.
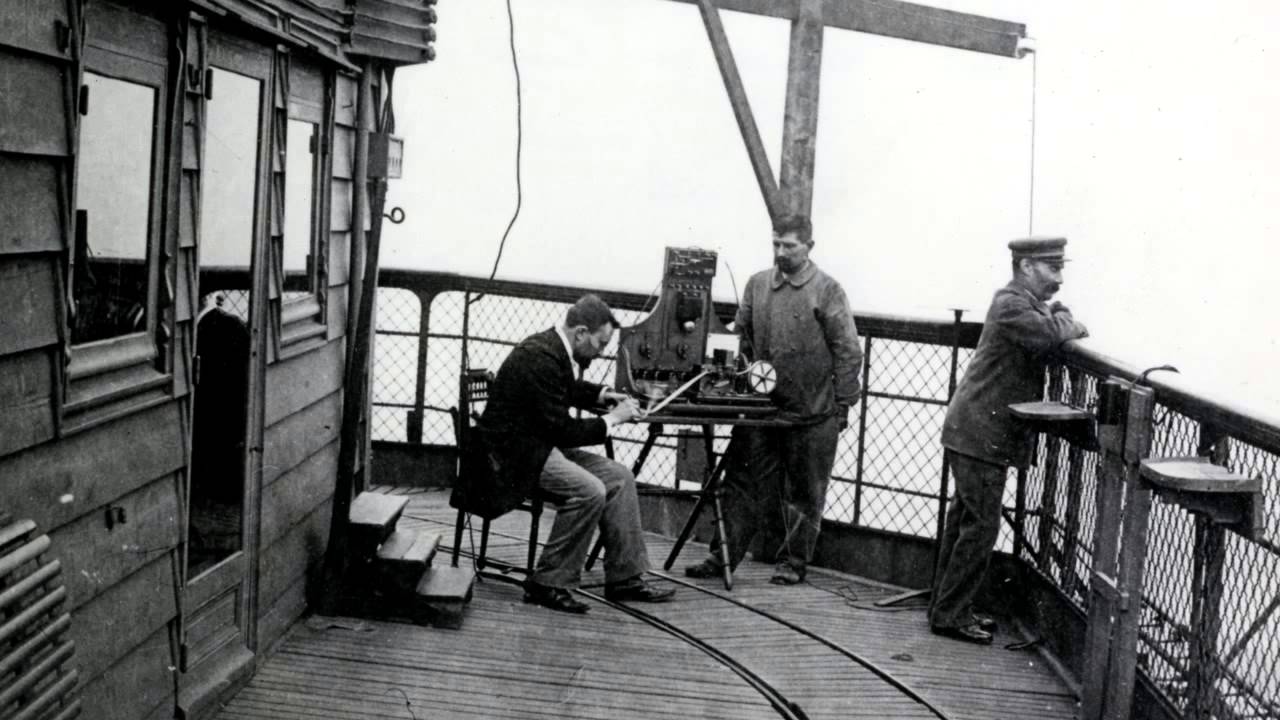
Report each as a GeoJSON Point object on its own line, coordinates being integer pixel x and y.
{"type": "Point", "coordinates": [1211, 602]}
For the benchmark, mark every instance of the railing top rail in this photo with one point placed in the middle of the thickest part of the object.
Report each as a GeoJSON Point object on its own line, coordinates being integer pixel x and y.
{"type": "Point", "coordinates": [1182, 395]}
{"type": "Point", "coordinates": [898, 327]}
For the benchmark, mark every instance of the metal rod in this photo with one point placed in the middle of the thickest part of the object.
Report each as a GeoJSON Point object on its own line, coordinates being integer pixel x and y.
{"type": "Point", "coordinates": [862, 435]}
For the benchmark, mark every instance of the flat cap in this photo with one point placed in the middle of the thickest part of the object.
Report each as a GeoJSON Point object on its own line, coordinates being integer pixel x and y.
{"type": "Point", "coordinates": [1039, 248]}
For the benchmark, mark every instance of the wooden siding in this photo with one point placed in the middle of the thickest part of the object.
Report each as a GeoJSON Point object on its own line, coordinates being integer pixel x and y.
{"type": "Point", "coordinates": [28, 296]}
{"type": "Point", "coordinates": [95, 558]}
{"type": "Point", "coordinates": [26, 400]}
{"type": "Point", "coordinates": [297, 493]}
{"type": "Point", "coordinates": [295, 554]}
{"type": "Point", "coordinates": [122, 618]}
{"type": "Point", "coordinates": [30, 25]}
{"type": "Point", "coordinates": [29, 216]}
{"type": "Point", "coordinates": [55, 483]}
{"type": "Point", "coordinates": [135, 685]}
{"type": "Point", "coordinates": [299, 381]}
{"type": "Point", "coordinates": [124, 582]}
{"type": "Point", "coordinates": [300, 435]}
{"type": "Point", "coordinates": [33, 118]}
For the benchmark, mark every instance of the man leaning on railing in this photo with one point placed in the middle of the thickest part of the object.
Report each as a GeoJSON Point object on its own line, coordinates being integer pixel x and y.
{"type": "Point", "coordinates": [982, 438]}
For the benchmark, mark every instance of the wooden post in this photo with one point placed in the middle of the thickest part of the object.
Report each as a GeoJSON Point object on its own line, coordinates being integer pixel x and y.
{"type": "Point", "coordinates": [1206, 594]}
{"type": "Point", "coordinates": [1049, 492]}
{"type": "Point", "coordinates": [1071, 580]}
{"type": "Point", "coordinates": [1120, 549]}
{"type": "Point", "coordinates": [800, 125]}
{"type": "Point", "coordinates": [354, 385]}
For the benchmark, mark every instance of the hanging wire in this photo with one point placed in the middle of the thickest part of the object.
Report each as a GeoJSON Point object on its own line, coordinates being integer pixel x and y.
{"type": "Point", "coordinates": [1031, 199]}
{"type": "Point", "coordinates": [515, 64]}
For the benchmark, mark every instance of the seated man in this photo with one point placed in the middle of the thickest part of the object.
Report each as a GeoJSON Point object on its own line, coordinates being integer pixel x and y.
{"type": "Point", "coordinates": [533, 439]}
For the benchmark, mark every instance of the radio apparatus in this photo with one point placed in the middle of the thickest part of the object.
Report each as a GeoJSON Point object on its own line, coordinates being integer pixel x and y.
{"type": "Point", "coordinates": [681, 360]}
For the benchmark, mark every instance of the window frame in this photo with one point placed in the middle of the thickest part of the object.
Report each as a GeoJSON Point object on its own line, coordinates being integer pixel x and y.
{"type": "Point", "coordinates": [109, 377]}
{"type": "Point", "coordinates": [302, 321]}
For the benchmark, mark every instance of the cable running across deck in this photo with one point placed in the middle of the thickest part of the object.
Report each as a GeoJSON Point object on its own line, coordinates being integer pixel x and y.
{"type": "Point", "coordinates": [785, 707]}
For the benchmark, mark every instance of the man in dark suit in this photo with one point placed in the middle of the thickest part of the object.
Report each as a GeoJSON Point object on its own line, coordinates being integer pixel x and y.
{"type": "Point", "coordinates": [982, 438]}
{"type": "Point", "coordinates": [534, 442]}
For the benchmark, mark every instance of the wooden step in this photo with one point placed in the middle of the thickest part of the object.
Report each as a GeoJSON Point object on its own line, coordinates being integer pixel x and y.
{"type": "Point", "coordinates": [372, 519]}
{"type": "Point", "coordinates": [443, 594]}
{"type": "Point", "coordinates": [405, 556]}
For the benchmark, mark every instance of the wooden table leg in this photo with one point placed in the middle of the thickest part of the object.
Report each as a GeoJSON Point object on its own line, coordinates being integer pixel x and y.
{"type": "Point", "coordinates": [707, 495]}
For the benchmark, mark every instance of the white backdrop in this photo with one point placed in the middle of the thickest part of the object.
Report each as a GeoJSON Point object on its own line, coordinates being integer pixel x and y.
{"type": "Point", "coordinates": [1155, 154]}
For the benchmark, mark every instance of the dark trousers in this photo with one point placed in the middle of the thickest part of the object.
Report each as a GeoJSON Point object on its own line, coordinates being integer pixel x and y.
{"type": "Point", "coordinates": [973, 524]}
{"type": "Point", "coordinates": [775, 484]}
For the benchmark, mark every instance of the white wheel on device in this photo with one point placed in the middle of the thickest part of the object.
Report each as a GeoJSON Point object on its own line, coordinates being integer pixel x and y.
{"type": "Point", "coordinates": [762, 377]}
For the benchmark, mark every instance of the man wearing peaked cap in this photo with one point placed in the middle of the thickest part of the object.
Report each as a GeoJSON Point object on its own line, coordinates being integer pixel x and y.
{"type": "Point", "coordinates": [982, 439]}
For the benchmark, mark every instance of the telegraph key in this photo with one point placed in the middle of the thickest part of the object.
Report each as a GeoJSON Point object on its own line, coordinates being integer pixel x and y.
{"type": "Point", "coordinates": [682, 343]}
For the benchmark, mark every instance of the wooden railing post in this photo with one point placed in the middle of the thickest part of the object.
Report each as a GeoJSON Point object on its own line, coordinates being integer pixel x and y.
{"type": "Point", "coordinates": [1071, 580]}
{"type": "Point", "coordinates": [1120, 551]}
{"type": "Point", "coordinates": [1209, 558]}
{"type": "Point", "coordinates": [1049, 492]}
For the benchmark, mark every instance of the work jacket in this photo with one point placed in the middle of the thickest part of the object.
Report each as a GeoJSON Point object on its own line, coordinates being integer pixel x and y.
{"type": "Point", "coordinates": [1018, 337]}
{"type": "Point", "coordinates": [802, 325]}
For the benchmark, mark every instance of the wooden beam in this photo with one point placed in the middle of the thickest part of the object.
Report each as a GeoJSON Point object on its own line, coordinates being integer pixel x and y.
{"type": "Point", "coordinates": [741, 106]}
{"type": "Point", "coordinates": [909, 21]}
{"type": "Point", "coordinates": [904, 20]}
{"type": "Point", "coordinates": [800, 125]}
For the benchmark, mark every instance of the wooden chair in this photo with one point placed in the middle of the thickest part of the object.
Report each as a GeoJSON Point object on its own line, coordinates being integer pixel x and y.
{"type": "Point", "coordinates": [473, 392]}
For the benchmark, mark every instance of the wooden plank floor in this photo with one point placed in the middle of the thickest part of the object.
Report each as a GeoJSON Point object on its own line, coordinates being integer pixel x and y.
{"type": "Point", "coordinates": [512, 660]}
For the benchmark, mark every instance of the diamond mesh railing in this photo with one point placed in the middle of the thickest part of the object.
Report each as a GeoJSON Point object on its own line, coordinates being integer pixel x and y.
{"type": "Point", "coordinates": [1209, 627]}
{"type": "Point", "coordinates": [1210, 614]}
{"type": "Point", "coordinates": [888, 467]}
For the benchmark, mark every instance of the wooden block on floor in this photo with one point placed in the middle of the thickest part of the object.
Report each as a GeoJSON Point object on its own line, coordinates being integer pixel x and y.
{"type": "Point", "coordinates": [447, 584]}
{"type": "Point", "coordinates": [372, 519]}
{"type": "Point", "coordinates": [405, 556]}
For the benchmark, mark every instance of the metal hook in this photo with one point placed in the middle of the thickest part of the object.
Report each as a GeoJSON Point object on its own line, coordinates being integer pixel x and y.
{"type": "Point", "coordinates": [396, 215]}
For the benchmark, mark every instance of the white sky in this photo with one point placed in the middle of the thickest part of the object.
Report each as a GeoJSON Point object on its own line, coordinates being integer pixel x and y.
{"type": "Point", "coordinates": [1152, 155]}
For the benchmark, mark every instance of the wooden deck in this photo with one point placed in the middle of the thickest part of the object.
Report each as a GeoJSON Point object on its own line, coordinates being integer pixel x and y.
{"type": "Point", "coordinates": [512, 660]}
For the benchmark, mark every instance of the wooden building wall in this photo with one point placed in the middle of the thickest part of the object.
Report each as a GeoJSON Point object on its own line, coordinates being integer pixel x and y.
{"type": "Point", "coordinates": [85, 435]}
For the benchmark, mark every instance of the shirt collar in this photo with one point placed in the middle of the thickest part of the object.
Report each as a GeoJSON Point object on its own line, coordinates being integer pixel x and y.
{"type": "Point", "coordinates": [564, 339]}
{"type": "Point", "coordinates": [797, 279]}
{"type": "Point", "coordinates": [1019, 287]}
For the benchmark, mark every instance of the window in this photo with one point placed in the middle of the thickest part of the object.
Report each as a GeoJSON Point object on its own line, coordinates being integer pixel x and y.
{"type": "Point", "coordinates": [299, 209]}
{"type": "Point", "coordinates": [112, 280]}
{"type": "Point", "coordinates": [115, 324]}
{"type": "Point", "coordinates": [300, 223]}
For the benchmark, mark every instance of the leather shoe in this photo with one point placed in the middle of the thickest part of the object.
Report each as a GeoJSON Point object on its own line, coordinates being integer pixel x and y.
{"type": "Point", "coordinates": [704, 570]}
{"type": "Point", "coordinates": [968, 633]}
{"type": "Point", "coordinates": [985, 621]}
{"type": "Point", "coordinates": [554, 598]}
{"type": "Point", "coordinates": [784, 574]}
{"type": "Point", "coordinates": [637, 590]}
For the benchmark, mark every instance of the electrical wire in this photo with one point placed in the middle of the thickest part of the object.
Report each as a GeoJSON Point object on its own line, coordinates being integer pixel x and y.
{"type": "Point", "coordinates": [515, 65]}
{"type": "Point", "coordinates": [1031, 199]}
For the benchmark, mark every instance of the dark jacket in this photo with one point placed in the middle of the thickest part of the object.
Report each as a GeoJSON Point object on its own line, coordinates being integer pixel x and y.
{"type": "Point", "coordinates": [528, 414]}
{"type": "Point", "coordinates": [1018, 336]}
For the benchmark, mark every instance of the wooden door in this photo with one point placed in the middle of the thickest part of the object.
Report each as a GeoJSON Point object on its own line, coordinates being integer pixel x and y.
{"type": "Point", "coordinates": [233, 142]}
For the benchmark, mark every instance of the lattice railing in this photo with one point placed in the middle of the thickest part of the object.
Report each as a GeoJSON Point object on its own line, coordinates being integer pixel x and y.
{"type": "Point", "coordinates": [888, 467]}
{"type": "Point", "coordinates": [1211, 601]}
{"type": "Point", "coordinates": [1210, 630]}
